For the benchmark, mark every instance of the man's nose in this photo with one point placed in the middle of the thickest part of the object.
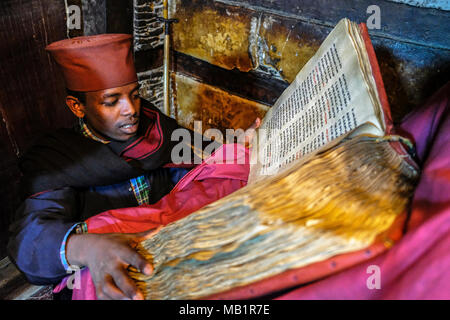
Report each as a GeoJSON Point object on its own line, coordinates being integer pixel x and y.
{"type": "Point", "coordinates": [128, 108]}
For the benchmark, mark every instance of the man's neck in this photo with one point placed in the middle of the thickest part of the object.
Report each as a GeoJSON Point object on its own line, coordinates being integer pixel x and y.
{"type": "Point", "coordinates": [89, 133]}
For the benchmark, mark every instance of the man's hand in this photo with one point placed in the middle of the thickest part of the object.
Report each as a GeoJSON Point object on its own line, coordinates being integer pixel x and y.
{"type": "Point", "coordinates": [108, 256]}
{"type": "Point", "coordinates": [250, 133]}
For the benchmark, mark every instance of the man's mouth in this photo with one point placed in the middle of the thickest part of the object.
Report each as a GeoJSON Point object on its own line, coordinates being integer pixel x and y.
{"type": "Point", "coordinates": [129, 128]}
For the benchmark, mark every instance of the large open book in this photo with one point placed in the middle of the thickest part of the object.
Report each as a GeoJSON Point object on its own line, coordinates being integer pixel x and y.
{"type": "Point", "coordinates": [338, 93]}
{"type": "Point", "coordinates": [328, 188]}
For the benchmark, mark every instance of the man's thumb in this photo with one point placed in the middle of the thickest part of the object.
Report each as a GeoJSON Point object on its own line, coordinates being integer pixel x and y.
{"type": "Point", "coordinates": [141, 236]}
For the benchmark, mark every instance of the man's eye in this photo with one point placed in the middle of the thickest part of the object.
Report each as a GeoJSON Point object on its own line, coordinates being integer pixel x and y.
{"type": "Point", "coordinates": [109, 103]}
{"type": "Point", "coordinates": [136, 96]}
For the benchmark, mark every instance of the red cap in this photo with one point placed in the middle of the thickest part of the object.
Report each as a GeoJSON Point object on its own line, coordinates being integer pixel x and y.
{"type": "Point", "coordinates": [93, 63]}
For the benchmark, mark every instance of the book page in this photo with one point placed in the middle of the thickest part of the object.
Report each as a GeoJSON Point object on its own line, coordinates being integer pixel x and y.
{"type": "Point", "coordinates": [327, 99]}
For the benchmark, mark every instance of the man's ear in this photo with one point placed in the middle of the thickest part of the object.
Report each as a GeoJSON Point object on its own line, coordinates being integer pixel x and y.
{"type": "Point", "coordinates": [75, 106]}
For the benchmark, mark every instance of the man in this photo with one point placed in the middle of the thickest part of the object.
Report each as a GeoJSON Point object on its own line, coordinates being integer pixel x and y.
{"type": "Point", "coordinates": [112, 158]}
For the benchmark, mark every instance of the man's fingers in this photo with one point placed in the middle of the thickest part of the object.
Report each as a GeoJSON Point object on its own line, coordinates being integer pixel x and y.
{"type": "Point", "coordinates": [146, 234]}
{"type": "Point", "coordinates": [250, 132]}
{"type": "Point", "coordinates": [125, 284]}
{"type": "Point", "coordinates": [109, 291]}
{"type": "Point", "coordinates": [137, 261]}
{"type": "Point", "coordinates": [135, 238]}
{"type": "Point", "coordinates": [256, 124]}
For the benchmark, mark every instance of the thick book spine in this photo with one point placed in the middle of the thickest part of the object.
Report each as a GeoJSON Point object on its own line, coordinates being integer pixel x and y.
{"type": "Point", "coordinates": [378, 80]}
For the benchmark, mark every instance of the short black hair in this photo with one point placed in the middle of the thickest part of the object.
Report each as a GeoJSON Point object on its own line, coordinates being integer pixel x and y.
{"type": "Point", "coordinates": [81, 96]}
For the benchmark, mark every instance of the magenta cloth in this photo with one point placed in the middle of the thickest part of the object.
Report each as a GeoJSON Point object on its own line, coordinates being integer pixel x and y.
{"type": "Point", "coordinates": [418, 266]}
{"type": "Point", "coordinates": [219, 175]}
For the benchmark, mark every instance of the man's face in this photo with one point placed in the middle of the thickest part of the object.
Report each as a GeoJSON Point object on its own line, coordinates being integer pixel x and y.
{"type": "Point", "coordinates": [114, 113]}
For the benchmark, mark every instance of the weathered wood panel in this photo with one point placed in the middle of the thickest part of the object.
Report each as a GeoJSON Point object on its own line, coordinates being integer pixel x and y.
{"type": "Point", "coordinates": [251, 85]}
{"type": "Point", "coordinates": [148, 31]}
{"type": "Point", "coordinates": [33, 89]}
{"type": "Point", "coordinates": [215, 108]}
{"type": "Point", "coordinates": [94, 16]}
{"type": "Point", "coordinates": [148, 41]}
{"type": "Point", "coordinates": [119, 16]}
{"type": "Point", "coordinates": [215, 33]}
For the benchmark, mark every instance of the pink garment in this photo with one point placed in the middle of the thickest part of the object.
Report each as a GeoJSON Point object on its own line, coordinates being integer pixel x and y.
{"type": "Point", "coordinates": [418, 266]}
{"type": "Point", "coordinates": [219, 175]}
